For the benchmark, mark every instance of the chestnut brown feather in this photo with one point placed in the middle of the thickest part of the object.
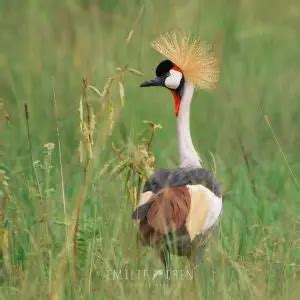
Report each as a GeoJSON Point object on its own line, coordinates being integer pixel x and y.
{"type": "Point", "coordinates": [167, 211]}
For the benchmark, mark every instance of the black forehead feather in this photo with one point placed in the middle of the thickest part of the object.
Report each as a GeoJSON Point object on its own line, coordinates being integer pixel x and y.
{"type": "Point", "coordinates": [164, 67]}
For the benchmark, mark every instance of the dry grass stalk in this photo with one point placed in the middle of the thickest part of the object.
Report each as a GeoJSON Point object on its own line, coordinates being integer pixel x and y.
{"type": "Point", "coordinates": [86, 146]}
{"type": "Point", "coordinates": [130, 34]}
{"type": "Point", "coordinates": [106, 97]}
{"type": "Point", "coordinates": [293, 176]}
{"type": "Point", "coordinates": [6, 116]}
{"type": "Point", "coordinates": [136, 162]}
{"type": "Point", "coordinates": [34, 170]}
{"type": "Point", "coordinates": [87, 127]}
{"type": "Point", "coordinates": [4, 234]}
{"type": "Point", "coordinates": [62, 183]}
{"type": "Point", "coordinates": [247, 163]}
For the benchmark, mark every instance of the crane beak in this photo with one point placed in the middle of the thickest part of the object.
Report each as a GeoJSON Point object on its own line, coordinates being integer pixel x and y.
{"type": "Point", "coordinates": [158, 81]}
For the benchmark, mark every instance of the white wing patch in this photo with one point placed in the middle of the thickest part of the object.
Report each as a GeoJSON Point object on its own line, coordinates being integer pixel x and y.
{"type": "Point", "coordinates": [203, 201]}
{"type": "Point", "coordinates": [198, 212]}
{"type": "Point", "coordinates": [173, 80]}
{"type": "Point", "coordinates": [145, 197]}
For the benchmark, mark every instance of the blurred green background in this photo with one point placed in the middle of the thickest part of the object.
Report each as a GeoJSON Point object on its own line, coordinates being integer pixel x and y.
{"type": "Point", "coordinates": [47, 47]}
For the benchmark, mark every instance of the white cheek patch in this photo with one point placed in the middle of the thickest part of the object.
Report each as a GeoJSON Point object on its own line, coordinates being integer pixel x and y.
{"type": "Point", "coordinates": [173, 80]}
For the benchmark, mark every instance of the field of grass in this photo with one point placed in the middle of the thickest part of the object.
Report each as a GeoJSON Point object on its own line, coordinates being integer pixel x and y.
{"type": "Point", "coordinates": [65, 216]}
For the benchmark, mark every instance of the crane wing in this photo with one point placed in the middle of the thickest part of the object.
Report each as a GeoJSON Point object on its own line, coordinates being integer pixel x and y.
{"type": "Point", "coordinates": [188, 210]}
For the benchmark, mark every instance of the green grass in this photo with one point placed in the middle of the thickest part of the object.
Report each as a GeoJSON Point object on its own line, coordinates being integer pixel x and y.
{"type": "Point", "coordinates": [47, 48]}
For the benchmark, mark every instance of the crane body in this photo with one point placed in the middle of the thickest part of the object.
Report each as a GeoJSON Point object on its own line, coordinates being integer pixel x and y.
{"type": "Point", "coordinates": [180, 208]}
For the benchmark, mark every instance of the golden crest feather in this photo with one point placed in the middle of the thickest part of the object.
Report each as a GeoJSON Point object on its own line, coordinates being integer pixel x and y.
{"type": "Point", "coordinates": [194, 57]}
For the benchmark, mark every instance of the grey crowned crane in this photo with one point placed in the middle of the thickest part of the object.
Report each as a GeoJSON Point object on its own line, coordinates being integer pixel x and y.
{"type": "Point", "coordinates": [180, 208]}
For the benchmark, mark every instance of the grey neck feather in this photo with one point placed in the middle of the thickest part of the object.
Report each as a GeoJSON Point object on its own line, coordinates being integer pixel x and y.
{"type": "Point", "coordinates": [188, 155]}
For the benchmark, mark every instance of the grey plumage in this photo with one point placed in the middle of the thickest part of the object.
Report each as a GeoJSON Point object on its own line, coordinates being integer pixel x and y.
{"type": "Point", "coordinates": [182, 176]}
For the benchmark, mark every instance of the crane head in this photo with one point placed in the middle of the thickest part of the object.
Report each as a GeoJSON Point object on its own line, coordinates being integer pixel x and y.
{"type": "Point", "coordinates": [167, 75]}
{"type": "Point", "coordinates": [170, 76]}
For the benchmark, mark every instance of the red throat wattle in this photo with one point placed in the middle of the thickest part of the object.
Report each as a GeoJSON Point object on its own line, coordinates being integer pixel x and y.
{"type": "Point", "coordinates": [176, 96]}
{"type": "Point", "coordinates": [176, 102]}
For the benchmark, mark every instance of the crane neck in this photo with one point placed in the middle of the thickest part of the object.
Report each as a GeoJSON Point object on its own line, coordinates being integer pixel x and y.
{"type": "Point", "coordinates": [188, 155]}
